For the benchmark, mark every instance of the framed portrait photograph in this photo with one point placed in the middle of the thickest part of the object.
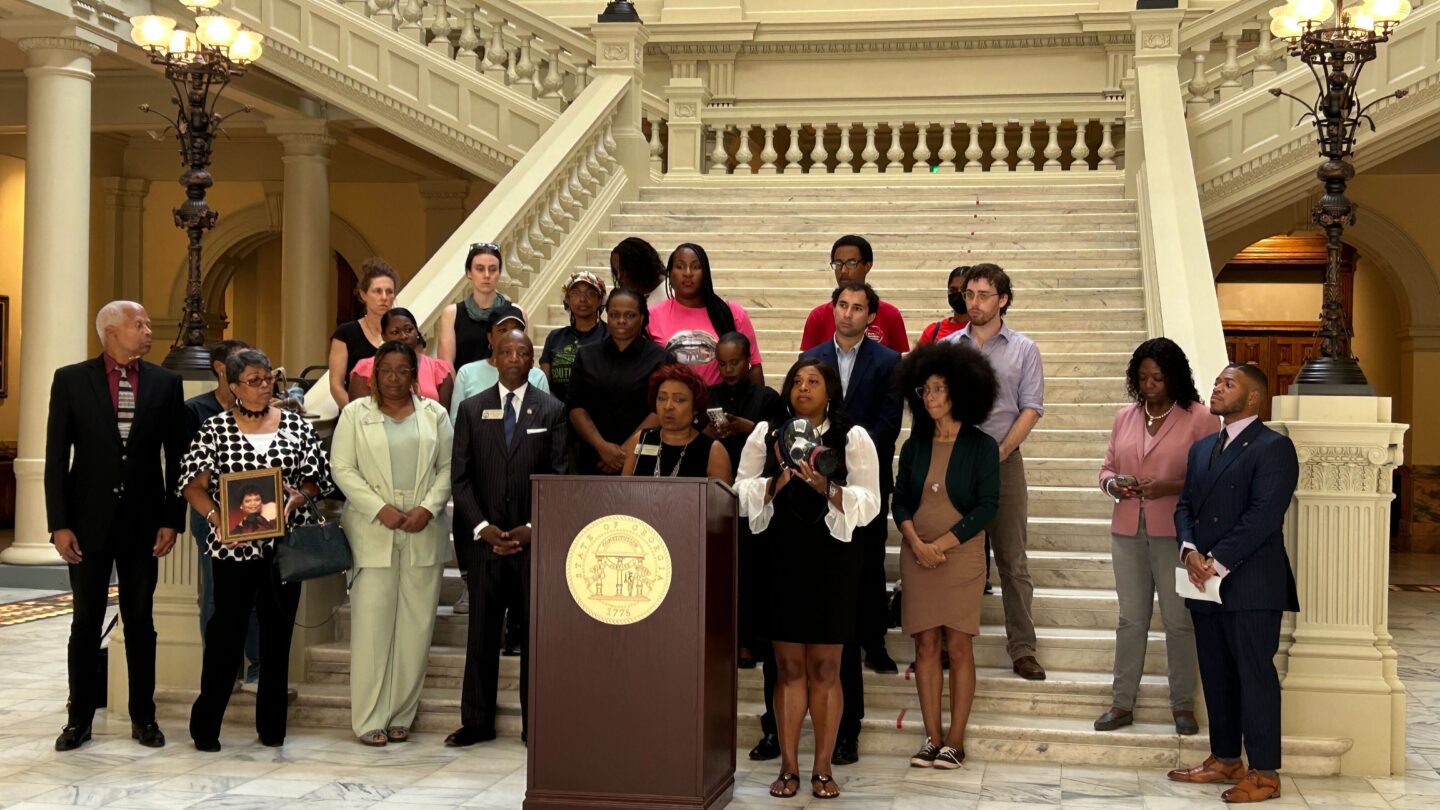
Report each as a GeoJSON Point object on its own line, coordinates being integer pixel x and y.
{"type": "Point", "coordinates": [251, 506]}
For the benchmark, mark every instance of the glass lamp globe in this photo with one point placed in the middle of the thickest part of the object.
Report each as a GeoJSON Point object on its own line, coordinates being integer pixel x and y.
{"type": "Point", "coordinates": [246, 47]}
{"type": "Point", "coordinates": [151, 30]}
{"type": "Point", "coordinates": [215, 30]}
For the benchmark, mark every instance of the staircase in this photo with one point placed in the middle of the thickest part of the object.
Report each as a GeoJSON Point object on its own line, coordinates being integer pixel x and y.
{"type": "Point", "coordinates": [1072, 252]}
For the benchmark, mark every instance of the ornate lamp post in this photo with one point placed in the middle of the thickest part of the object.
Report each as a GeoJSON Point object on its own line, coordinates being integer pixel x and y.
{"type": "Point", "coordinates": [195, 63]}
{"type": "Point", "coordinates": [1336, 42]}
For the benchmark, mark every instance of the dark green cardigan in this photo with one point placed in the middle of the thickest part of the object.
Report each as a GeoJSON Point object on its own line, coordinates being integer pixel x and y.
{"type": "Point", "coordinates": [972, 480]}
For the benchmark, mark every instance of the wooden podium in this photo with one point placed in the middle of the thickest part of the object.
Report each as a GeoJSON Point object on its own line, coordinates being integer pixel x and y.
{"type": "Point", "coordinates": [641, 714]}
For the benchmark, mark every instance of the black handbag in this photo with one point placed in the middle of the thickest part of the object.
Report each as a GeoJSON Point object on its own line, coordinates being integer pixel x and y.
{"type": "Point", "coordinates": [311, 552]}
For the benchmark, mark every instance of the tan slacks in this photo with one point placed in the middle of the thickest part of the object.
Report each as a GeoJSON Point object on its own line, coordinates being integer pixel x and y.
{"type": "Point", "coordinates": [1008, 539]}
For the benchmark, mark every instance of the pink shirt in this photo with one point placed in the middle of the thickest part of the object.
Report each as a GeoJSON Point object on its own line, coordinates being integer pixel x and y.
{"type": "Point", "coordinates": [1163, 460]}
{"type": "Point", "coordinates": [670, 317]}
{"type": "Point", "coordinates": [432, 372]}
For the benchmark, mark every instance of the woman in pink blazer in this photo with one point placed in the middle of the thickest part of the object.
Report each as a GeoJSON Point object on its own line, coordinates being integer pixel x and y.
{"type": "Point", "coordinates": [1144, 471]}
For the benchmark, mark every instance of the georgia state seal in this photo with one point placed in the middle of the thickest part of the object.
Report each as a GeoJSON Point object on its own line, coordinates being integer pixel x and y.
{"type": "Point", "coordinates": [618, 569]}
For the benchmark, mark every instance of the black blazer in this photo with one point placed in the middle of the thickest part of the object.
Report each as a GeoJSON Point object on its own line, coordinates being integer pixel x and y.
{"type": "Point", "coordinates": [1235, 511]}
{"type": "Point", "coordinates": [872, 399]}
{"type": "Point", "coordinates": [83, 491]}
{"type": "Point", "coordinates": [492, 481]}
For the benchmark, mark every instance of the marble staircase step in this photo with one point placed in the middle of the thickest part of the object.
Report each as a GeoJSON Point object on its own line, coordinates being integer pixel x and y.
{"type": "Point", "coordinates": [772, 295]}
{"type": "Point", "coordinates": [723, 256]}
{"type": "Point", "coordinates": [1027, 320]}
{"type": "Point", "coordinates": [990, 736]}
{"type": "Point", "coordinates": [956, 238]}
{"type": "Point", "coordinates": [719, 205]}
{"type": "Point", "coordinates": [874, 224]}
{"type": "Point", "coordinates": [733, 188]}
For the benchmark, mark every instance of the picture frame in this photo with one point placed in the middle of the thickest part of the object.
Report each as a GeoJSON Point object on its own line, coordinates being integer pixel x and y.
{"type": "Point", "coordinates": [4, 346]}
{"type": "Point", "coordinates": [252, 506]}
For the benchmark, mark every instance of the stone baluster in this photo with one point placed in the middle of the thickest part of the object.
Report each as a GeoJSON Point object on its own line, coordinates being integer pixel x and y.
{"type": "Point", "coordinates": [1199, 83]}
{"type": "Point", "coordinates": [845, 154]}
{"type": "Point", "coordinates": [514, 265]}
{"type": "Point", "coordinates": [525, 67]}
{"type": "Point", "coordinates": [550, 228]}
{"type": "Point", "coordinates": [1000, 153]}
{"type": "Point", "coordinates": [972, 149]}
{"type": "Point", "coordinates": [1052, 146]}
{"type": "Point", "coordinates": [1107, 146]}
{"type": "Point", "coordinates": [410, 27]}
{"type": "Point", "coordinates": [594, 164]}
{"type": "Point", "coordinates": [467, 45]}
{"type": "Point", "coordinates": [792, 151]}
{"type": "Point", "coordinates": [818, 153]}
{"type": "Point", "coordinates": [543, 244]}
{"type": "Point", "coordinates": [947, 148]}
{"type": "Point", "coordinates": [384, 13]}
{"type": "Point", "coordinates": [718, 156]}
{"type": "Point", "coordinates": [1026, 152]}
{"type": "Point", "coordinates": [1230, 71]}
{"type": "Point", "coordinates": [550, 85]}
{"type": "Point", "coordinates": [587, 180]}
{"type": "Point", "coordinates": [496, 58]}
{"type": "Point", "coordinates": [768, 153]}
{"type": "Point", "coordinates": [657, 163]}
{"type": "Point", "coordinates": [895, 156]}
{"type": "Point", "coordinates": [609, 156]}
{"type": "Point", "coordinates": [562, 218]}
{"type": "Point", "coordinates": [1266, 55]}
{"type": "Point", "coordinates": [1081, 150]}
{"type": "Point", "coordinates": [870, 153]}
{"type": "Point", "coordinates": [922, 148]}
{"type": "Point", "coordinates": [570, 193]}
{"type": "Point", "coordinates": [440, 29]}
{"type": "Point", "coordinates": [743, 155]}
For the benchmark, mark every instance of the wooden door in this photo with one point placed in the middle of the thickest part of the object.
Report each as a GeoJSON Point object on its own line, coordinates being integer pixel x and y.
{"type": "Point", "coordinates": [1279, 349]}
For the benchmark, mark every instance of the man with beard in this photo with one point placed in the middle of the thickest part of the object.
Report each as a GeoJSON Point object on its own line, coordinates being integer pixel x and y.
{"type": "Point", "coordinates": [503, 435]}
{"type": "Point", "coordinates": [1230, 523]}
{"type": "Point", "coordinates": [851, 259]}
{"type": "Point", "coordinates": [1019, 404]}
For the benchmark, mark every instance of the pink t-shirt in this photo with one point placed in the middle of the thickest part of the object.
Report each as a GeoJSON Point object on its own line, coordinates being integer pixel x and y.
{"type": "Point", "coordinates": [669, 318]}
{"type": "Point", "coordinates": [433, 371]}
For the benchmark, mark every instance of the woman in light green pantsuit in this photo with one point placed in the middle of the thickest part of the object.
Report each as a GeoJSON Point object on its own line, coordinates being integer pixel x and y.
{"type": "Point", "coordinates": [391, 457]}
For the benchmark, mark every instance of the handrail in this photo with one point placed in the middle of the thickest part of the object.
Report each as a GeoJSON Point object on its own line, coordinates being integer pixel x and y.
{"type": "Point", "coordinates": [1216, 23]}
{"type": "Point", "coordinates": [526, 17]}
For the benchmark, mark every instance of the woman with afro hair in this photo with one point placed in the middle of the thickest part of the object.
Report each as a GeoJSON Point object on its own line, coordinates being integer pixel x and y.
{"type": "Point", "coordinates": [947, 488]}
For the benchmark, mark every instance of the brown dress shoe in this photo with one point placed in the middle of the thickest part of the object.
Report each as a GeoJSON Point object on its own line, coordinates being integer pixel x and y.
{"type": "Point", "coordinates": [1029, 669]}
{"type": "Point", "coordinates": [1209, 772]}
{"type": "Point", "coordinates": [1255, 787]}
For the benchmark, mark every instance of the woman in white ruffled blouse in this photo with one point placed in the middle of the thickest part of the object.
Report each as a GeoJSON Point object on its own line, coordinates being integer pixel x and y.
{"type": "Point", "coordinates": [803, 522]}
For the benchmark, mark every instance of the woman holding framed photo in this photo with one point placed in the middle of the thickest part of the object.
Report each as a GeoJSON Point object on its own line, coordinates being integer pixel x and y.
{"type": "Point", "coordinates": [262, 446]}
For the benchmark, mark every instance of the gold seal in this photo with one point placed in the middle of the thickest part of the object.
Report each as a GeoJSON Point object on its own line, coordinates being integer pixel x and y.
{"type": "Point", "coordinates": [618, 569]}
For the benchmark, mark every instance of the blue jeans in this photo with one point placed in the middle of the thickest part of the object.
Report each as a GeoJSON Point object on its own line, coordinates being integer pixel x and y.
{"type": "Point", "coordinates": [200, 530]}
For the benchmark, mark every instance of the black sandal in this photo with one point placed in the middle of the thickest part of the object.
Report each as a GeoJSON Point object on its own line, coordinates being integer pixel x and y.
{"type": "Point", "coordinates": [825, 780]}
{"type": "Point", "coordinates": [785, 779]}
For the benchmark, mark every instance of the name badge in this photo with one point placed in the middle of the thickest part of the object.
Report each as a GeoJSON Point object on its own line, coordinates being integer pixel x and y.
{"type": "Point", "coordinates": [493, 413]}
{"type": "Point", "coordinates": [646, 450]}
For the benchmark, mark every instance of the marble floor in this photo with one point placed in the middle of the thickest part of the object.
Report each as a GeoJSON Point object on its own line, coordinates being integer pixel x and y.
{"type": "Point", "coordinates": [326, 768]}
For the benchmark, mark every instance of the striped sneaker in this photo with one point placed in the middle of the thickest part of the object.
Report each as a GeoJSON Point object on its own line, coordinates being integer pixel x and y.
{"type": "Point", "coordinates": [925, 757]}
{"type": "Point", "coordinates": [949, 758]}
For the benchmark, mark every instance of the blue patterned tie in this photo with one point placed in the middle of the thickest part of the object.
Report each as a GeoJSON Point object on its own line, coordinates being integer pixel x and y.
{"type": "Point", "coordinates": [509, 423]}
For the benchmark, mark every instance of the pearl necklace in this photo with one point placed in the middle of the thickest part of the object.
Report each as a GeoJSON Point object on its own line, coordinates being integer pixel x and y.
{"type": "Point", "coordinates": [1151, 420]}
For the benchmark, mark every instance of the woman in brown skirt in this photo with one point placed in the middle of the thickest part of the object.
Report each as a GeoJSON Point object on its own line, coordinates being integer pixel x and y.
{"type": "Point", "coordinates": [947, 488]}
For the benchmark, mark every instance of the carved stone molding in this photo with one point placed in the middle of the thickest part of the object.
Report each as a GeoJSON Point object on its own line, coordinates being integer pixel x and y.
{"type": "Point", "coordinates": [893, 45]}
{"type": "Point", "coordinates": [58, 44]}
{"type": "Point", "coordinates": [1156, 40]}
{"type": "Point", "coordinates": [1345, 468]}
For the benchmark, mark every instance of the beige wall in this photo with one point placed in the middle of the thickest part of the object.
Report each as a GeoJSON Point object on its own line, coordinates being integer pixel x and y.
{"type": "Point", "coordinates": [1251, 301]}
{"type": "Point", "coordinates": [1377, 330]}
{"type": "Point", "coordinates": [12, 229]}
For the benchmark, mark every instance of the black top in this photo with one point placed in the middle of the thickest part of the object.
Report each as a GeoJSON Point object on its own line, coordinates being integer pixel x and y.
{"type": "Point", "coordinates": [613, 387]}
{"type": "Point", "coordinates": [472, 337]}
{"type": "Point", "coordinates": [758, 403]}
{"type": "Point", "coordinates": [561, 346]}
{"type": "Point", "coordinates": [357, 346]}
{"type": "Point", "coordinates": [199, 408]}
{"type": "Point", "coordinates": [693, 459]}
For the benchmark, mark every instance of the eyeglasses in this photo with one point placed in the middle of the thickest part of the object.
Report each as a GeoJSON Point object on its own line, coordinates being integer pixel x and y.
{"type": "Point", "coordinates": [848, 264]}
{"type": "Point", "coordinates": [260, 382]}
{"type": "Point", "coordinates": [982, 297]}
{"type": "Point", "coordinates": [485, 246]}
{"type": "Point", "coordinates": [922, 391]}
{"type": "Point", "coordinates": [403, 371]}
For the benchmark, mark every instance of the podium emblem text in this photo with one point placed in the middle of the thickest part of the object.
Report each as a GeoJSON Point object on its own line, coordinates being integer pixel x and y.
{"type": "Point", "coordinates": [618, 569]}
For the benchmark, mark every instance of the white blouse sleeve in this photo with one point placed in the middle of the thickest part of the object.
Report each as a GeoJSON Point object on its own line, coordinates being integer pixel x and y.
{"type": "Point", "coordinates": [861, 494]}
{"type": "Point", "coordinates": [749, 485]}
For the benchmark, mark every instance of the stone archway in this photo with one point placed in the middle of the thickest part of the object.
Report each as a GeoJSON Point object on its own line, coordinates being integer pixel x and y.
{"type": "Point", "coordinates": [238, 235]}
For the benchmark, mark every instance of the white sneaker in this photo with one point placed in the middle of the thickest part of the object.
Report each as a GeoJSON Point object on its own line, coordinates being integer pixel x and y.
{"type": "Point", "coordinates": [462, 605]}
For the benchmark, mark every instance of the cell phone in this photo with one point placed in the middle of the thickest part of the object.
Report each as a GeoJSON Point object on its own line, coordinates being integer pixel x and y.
{"type": "Point", "coordinates": [717, 417]}
{"type": "Point", "coordinates": [1125, 480]}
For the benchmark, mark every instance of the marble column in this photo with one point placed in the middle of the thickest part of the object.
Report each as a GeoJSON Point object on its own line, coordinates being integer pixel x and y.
{"type": "Point", "coordinates": [444, 202]}
{"type": "Point", "coordinates": [1339, 677]}
{"type": "Point", "coordinates": [56, 271]}
{"type": "Point", "coordinates": [305, 263]}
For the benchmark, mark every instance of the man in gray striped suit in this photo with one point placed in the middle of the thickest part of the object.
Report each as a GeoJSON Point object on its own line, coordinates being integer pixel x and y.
{"type": "Point", "coordinates": [503, 435]}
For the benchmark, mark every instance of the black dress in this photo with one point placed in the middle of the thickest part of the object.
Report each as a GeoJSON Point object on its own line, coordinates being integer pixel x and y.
{"type": "Point", "coordinates": [692, 460]}
{"type": "Point", "coordinates": [357, 346]}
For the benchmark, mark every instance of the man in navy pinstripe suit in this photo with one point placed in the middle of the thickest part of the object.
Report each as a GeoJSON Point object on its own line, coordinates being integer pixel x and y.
{"type": "Point", "coordinates": [1230, 524]}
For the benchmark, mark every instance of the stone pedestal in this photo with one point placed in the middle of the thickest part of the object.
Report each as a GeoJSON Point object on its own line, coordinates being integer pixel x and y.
{"type": "Point", "coordinates": [620, 50]}
{"type": "Point", "coordinates": [1339, 677]}
{"type": "Point", "coordinates": [687, 130]}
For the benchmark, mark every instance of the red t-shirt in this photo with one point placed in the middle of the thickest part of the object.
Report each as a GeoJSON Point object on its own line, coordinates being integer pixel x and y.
{"type": "Point", "coordinates": [888, 328]}
{"type": "Point", "coordinates": [937, 331]}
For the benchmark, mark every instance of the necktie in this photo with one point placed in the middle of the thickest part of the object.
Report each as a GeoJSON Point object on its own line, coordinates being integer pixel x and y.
{"type": "Point", "coordinates": [1219, 445]}
{"type": "Point", "coordinates": [125, 410]}
{"type": "Point", "coordinates": [509, 423]}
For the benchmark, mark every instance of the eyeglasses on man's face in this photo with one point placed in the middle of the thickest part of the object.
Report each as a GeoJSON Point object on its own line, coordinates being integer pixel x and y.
{"type": "Point", "coordinates": [848, 264]}
{"type": "Point", "coordinates": [982, 297]}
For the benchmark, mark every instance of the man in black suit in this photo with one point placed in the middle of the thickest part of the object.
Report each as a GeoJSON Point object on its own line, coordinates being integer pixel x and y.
{"type": "Point", "coordinates": [1230, 523]}
{"type": "Point", "coordinates": [503, 435]}
{"type": "Point", "coordinates": [872, 401]}
{"type": "Point", "coordinates": [112, 506]}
